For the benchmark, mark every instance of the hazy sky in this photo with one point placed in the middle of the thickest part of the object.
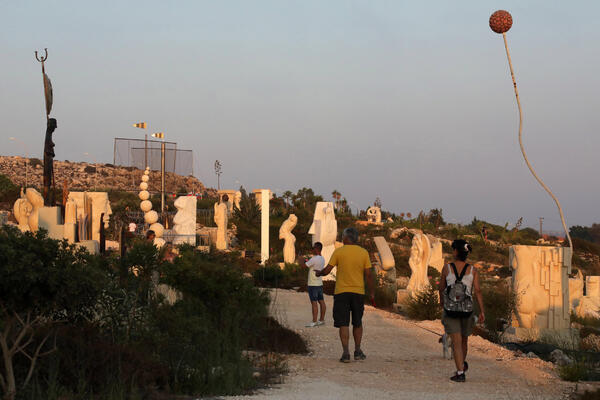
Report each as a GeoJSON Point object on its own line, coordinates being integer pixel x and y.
{"type": "Point", "coordinates": [409, 101]}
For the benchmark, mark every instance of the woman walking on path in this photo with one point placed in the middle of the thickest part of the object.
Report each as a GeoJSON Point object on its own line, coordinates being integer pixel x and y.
{"type": "Point", "coordinates": [458, 282]}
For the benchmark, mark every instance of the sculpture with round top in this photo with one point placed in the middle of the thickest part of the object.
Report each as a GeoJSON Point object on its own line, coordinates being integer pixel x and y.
{"type": "Point", "coordinates": [500, 22]}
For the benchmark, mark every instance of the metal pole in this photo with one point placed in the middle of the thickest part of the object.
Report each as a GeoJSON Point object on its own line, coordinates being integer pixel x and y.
{"type": "Point", "coordinates": [146, 150]}
{"type": "Point", "coordinates": [541, 222]}
{"type": "Point", "coordinates": [162, 177]}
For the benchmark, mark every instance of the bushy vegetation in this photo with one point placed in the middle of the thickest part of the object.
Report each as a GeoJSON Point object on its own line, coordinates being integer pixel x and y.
{"type": "Point", "coordinates": [272, 276]}
{"type": "Point", "coordinates": [500, 304]}
{"type": "Point", "coordinates": [83, 326]}
{"type": "Point", "coordinates": [424, 305]}
{"type": "Point", "coordinates": [573, 372]}
{"type": "Point", "coordinates": [9, 192]}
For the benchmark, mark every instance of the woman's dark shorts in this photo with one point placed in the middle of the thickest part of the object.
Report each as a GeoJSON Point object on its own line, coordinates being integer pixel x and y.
{"type": "Point", "coordinates": [346, 304]}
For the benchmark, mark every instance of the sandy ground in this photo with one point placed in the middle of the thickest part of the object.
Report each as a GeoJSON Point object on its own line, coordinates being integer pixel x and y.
{"type": "Point", "coordinates": [404, 361]}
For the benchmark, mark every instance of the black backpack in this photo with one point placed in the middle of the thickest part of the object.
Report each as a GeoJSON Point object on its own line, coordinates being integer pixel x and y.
{"type": "Point", "coordinates": [457, 302]}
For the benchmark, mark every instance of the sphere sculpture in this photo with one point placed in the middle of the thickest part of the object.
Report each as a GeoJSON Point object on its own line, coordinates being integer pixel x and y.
{"type": "Point", "coordinates": [501, 21]}
{"type": "Point", "coordinates": [150, 216]}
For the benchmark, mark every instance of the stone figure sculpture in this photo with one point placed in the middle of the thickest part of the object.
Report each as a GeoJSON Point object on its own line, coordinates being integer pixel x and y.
{"type": "Point", "coordinates": [420, 253]}
{"type": "Point", "coordinates": [540, 280]}
{"type": "Point", "coordinates": [221, 219]}
{"type": "Point", "coordinates": [374, 214]}
{"type": "Point", "coordinates": [324, 228]}
{"type": "Point", "coordinates": [150, 217]}
{"type": "Point", "coordinates": [22, 210]}
{"type": "Point", "coordinates": [70, 220]}
{"type": "Point", "coordinates": [285, 233]}
{"type": "Point", "coordinates": [37, 201]}
{"type": "Point", "coordinates": [436, 260]}
{"type": "Point", "coordinates": [49, 162]}
{"type": "Point", "coordinates": [185, 220]}
{"type": "Point", "coordinates": [237, 198]}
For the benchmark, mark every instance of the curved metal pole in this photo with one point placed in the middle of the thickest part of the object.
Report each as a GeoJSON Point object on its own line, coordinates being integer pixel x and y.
{"type": "Point", "coordinates": [560, 211]}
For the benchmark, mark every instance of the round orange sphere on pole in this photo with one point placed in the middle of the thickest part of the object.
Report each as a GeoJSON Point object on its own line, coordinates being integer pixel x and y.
{"type": "Point", "coordinates": [501, 21]}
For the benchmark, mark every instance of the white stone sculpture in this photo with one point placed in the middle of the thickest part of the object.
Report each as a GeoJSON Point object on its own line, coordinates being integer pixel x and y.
{"type": "Point", "coordinates": [264, 197]}
{"type": "Point", "coordinates": [589, 305]}
{"type": "Point", "coordinates": [436, 259]}
{"type": "Point", "coordinates": [285, 233]}
{"type": "Point", "coordinates": [221, 219]}
{"type": "Point", "coordinates": [420, 253]}
{"type": "Point", "coordinates": [230, 198]}
{"type": "Point", "coordinates": [22, 210]}
{"type": "Point", "coordinates": [101, 210]}
{"type": "Point", "coordinates": [540, 281]}
{"type": "Point", "coordinates": [185, 220]}
{"type": "Point", "coordinates": [237, 198]}
{"type": "Point", "coordinates": [386, 257]}
{"type": "Point", "coordinates": [37, 201]}
{"type": "Point", "coordinates": [374, 215]}
{"type": "Point", "coordinates": [324, 228]}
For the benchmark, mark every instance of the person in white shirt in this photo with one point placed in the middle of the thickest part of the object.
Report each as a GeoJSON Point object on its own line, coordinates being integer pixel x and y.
{"type": "Point", "coordinates": [315, 284]}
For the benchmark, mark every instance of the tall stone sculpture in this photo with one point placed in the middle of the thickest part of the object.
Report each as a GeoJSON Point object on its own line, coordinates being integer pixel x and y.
{"type": "Point", "coordinates": [540, 280]}
{"type": "Point", "coordinates": [374, 215]}
{"type": "Point", "coordinates": [324, 228]}
{"type": "Point", "coordinates": [185, 220]}
{"type": "Point", "coordinates": [285, 233]}
{"type": "Point", "coordinates": [420, 253]}
{"type": "Point", "coordinates": [589, 305]}
{"type": "Point", "coordinates": [576, 290]}
{"type": "Point", "coordinates": [221, 219]}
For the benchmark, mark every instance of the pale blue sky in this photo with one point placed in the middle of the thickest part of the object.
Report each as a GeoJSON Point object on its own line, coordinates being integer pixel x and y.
{"type": "Point", "coordinates": [408, 101]}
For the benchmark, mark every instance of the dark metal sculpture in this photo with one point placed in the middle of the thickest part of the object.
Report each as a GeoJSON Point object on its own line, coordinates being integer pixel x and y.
{"type": "Point", "coordinates": [50, 128]}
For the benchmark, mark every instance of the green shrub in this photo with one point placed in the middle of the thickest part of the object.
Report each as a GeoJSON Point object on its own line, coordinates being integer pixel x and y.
{"type": "Point", "coordinates": [500, 303]}
{"type": "Point", "coordinates": [424, 305]}
{"type": "Point", "coordinates": [574, 372]}
{"type": "Point", "coordinates": [9, 192]}
{"type": "Point", "coordinates": [268, 276]}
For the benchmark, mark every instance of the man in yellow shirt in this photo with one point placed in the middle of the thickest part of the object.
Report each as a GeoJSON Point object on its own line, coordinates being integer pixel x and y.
{"type": "Point", "coordinates": [353, 264]}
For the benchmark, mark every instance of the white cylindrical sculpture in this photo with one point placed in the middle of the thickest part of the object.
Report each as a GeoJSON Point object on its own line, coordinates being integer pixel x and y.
{"type": "Point", "coordinates": [221, 220]}
{"type": "Point", "coordinates": [146, 205]}
{"type": "Point", "coordinates": [264, 224]}
{"type": "Point", "coordinates": [151, 217]}
{"type": "Point", "coordinates": [145, 178]}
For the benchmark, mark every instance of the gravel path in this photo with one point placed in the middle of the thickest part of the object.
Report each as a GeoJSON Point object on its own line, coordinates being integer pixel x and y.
{"type": "Point", "coordinates": [404, 361]}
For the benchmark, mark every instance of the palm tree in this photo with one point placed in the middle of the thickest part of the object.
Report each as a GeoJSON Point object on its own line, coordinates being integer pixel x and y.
{"type": "Point", "coordinates": [287, 195]}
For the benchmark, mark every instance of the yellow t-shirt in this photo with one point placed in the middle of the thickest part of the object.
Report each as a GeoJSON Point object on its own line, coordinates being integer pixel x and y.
{"type": "Point", "coordinates": [351, 261]}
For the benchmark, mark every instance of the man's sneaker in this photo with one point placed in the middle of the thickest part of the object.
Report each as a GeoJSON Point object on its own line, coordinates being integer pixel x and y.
{"type": "Point", "coordinates": [319, 323]}
{"type": "Point", "coordinates": [345, 358]}
{"type": "Point", "coordinates": [466, 366]}
{"type": "Point", "coordinates": [359, 355]}
{"type": "Point", "coordinates": [458, 377]}
{"type": "Point", "coordinates": [311, 325]}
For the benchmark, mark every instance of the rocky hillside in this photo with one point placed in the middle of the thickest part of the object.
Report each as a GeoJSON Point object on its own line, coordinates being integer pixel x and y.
{"type": "Point", "coordinates": [82, 175]}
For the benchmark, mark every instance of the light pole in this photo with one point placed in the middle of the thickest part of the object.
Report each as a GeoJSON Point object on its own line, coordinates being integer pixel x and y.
{"type": "Point", "coordinates": [161, 136]}
{"type": "Point", "coordinates": [95, 169]}
{"type": "Point", "coordinates": [26, 158]}
{"type": "Point", "coordinates": [143, 125]}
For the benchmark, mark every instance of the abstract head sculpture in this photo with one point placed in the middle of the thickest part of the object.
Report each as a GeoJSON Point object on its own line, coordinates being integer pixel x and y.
{"type": "Point", "coordinates": [501, 21]}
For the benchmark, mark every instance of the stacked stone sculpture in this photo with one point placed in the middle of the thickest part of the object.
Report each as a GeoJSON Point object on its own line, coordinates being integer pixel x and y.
{"type": "Point", "coordinates": [150, 216]}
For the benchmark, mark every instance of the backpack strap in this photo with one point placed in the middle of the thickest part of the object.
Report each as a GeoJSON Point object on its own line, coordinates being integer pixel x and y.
{"type": "Point", "coordinates": [462, 274]}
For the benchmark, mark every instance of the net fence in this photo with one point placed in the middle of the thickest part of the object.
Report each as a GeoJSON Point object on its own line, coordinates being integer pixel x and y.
{"type": "Point", "coordinates": [139, 152]}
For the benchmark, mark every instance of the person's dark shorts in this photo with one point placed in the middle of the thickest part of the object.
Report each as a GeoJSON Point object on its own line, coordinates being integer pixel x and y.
{"type": "Point", "coordinates": [345, 305]}
{"type": "Point", "coordinates": [315, 293]}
